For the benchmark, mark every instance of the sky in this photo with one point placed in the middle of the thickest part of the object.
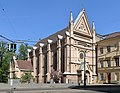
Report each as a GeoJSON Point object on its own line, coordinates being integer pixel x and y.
{"type": "Point", "coordinates": [36, 19]}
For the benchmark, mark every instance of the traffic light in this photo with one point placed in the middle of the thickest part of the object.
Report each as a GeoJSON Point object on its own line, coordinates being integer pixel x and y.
{"type": "Point", "coordinates": [12, 47]}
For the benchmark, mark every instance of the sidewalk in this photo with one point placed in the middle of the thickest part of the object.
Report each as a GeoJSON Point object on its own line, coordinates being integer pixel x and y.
{"type": "Point", "coordinates": [33, 85]}
{"type": "Point", "coordinates": [63, 85]}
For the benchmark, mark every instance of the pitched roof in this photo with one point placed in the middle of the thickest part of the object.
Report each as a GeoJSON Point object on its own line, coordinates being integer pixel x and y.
{"type": "Point", "coordinates": [109, 36]}
{"type": "Point", "coordinates": [112, 35]}
{"type": "Point", "coordinates": [53, 36]}
{"type": "Point", "coordinates": [81, 12]}
{"type": "Point", "coordinates": [24, 65]}
{"type": "Point", "coordinates": [62, 32]}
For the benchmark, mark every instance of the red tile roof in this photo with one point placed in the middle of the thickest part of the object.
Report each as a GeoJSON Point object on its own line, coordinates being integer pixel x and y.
{"type": "Point", "coordinates": [113, 35]}
{"type": "Point", "coordinates": [24, 65]}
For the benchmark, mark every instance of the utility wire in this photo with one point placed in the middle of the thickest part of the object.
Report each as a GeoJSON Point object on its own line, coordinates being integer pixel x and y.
{"type": "Point", "coordinates": [20, 41]}
{"type": "Point", "coordinates": [6, 38]}
{"type": "Point", "coordinates": [17, 41]}
{"type": "Point", "coordinates": [7, 16]}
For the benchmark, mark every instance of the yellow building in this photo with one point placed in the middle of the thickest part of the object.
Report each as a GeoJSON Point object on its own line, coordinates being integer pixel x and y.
{"type": "Point", "coordinates": [108, 58]}
{"type": "Point", "coordinates": [19, 67]}
{"type": "Point", "coordinates": [64, 52]}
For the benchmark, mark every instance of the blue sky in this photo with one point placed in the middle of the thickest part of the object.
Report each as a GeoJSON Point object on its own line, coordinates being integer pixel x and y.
{"type": "Point", "coordinates": [34, 19]}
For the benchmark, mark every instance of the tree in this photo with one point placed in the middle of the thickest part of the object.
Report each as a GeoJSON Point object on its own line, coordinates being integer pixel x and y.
{"type": "Point", "coordinates": [26, 77]}
{"type": "Point", "coordinates": [23, 51]}
{"type": "Point", "coordinates": [5, 58]}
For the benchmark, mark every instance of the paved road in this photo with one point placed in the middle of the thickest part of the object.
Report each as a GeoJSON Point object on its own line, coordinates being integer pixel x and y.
{"type": "Point", "coordinates": [58, 88]}
{"type": "Point", "coordinates": [107, 88]}
{"type": "Point", "coordinates": [54, 91]}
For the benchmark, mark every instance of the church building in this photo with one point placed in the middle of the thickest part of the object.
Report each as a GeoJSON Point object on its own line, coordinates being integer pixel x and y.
{"type": "Point", "coordinates": [70, 52]}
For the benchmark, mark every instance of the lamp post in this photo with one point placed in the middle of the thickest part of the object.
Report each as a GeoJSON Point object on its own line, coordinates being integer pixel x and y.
{"type": "Point", "coordinates": [84, 70]}
{"type": "Point", "coordinates": [82, 56]}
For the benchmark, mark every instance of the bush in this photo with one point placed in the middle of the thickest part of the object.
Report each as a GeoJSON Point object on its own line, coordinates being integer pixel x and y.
{"type": "Point", "coordinates": [26, 77]}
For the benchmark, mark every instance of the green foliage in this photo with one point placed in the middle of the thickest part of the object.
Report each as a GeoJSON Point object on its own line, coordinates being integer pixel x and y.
{"type": "Point", "coordinates": [23, 52]}
{"type": "Point", "coordinates": [15, 77]}
{"type": "Point", "coordinates": [5, 58]}
{"type": "Point", "coordinates": [26, 77]}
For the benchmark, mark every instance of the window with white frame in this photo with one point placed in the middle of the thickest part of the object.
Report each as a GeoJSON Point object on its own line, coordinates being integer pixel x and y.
{"type": "Point", "coordinates": [108, 49]}
{"type": "Point", "coordinates": [108, 63]}
{"type": "Point", "coordinates": [116, 76]}
{"type": "Point", "coordinates": [101, 76]}
{"type": "Point", "coordinates": [117, 61]}
{"type": "Point", "coordinates": [101, 50]}
{"type": "Point", "coordinates": [101, 64]}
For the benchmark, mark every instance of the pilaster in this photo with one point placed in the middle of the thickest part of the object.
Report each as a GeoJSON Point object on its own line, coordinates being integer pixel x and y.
{"type": "Point", "coordinates": [49, 59]}
{"type": "Point", "coordinates": [41, 63]}
{"type": "Point", "coordinates": [93, 52]}
{"type": "Point", "coordinates": [59, 53]}
{"type": "Point", "coordinates": [29, 50]}
{"type": "Point", "coordinates": [67, 52]}
{"type": "Point", "coordinates": [34, 63]}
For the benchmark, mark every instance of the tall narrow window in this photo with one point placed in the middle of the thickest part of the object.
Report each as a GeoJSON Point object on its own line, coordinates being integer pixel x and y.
{"type": "Point", "coordinates": [101, 64]}
{"type": "Point", "coordinates": [109, 63]}
{"type": "Point", "coordinates": [101, 76]}
{"type": "Point", "coordinates": [108, 49]}
{"type": "Point", "coordinates": [55, 61]}
{"type": "Point", "coordinates": [45, 64]}
{"type": "Point", "coordinates": [117, 61]}
{"type": "Point", "coordinates": [101, 50]}
{"type": "Point", "coordinates": [117, 76]}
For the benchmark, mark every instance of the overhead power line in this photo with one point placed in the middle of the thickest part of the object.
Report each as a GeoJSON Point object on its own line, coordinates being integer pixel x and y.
{"type": "Point", "coordinates": [7, 16]}
{"type": "Point", "coordinates": [6, 38]}
{"type": "Point", "coordinates": [22, 41]}
{"type": "Point", "coordinates": [17, 41]}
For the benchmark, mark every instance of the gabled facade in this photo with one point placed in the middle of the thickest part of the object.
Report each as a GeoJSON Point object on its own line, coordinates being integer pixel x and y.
{"type": "Point", "coordinates": [64, 52]}
{"type": "Point", "coordinates": [19, 68]}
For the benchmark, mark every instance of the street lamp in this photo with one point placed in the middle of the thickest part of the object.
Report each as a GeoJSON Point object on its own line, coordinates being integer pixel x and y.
{"type": "Point", "coordinates": [82, 56]}
{"type": "Point", "coordinates": [84, 70]}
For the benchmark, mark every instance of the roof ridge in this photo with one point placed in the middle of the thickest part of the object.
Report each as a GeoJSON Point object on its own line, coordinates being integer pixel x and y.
{"type": "Point", "coordinates": [111, 33]}
{"type": "Point", "coordinates": [58, 32]}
